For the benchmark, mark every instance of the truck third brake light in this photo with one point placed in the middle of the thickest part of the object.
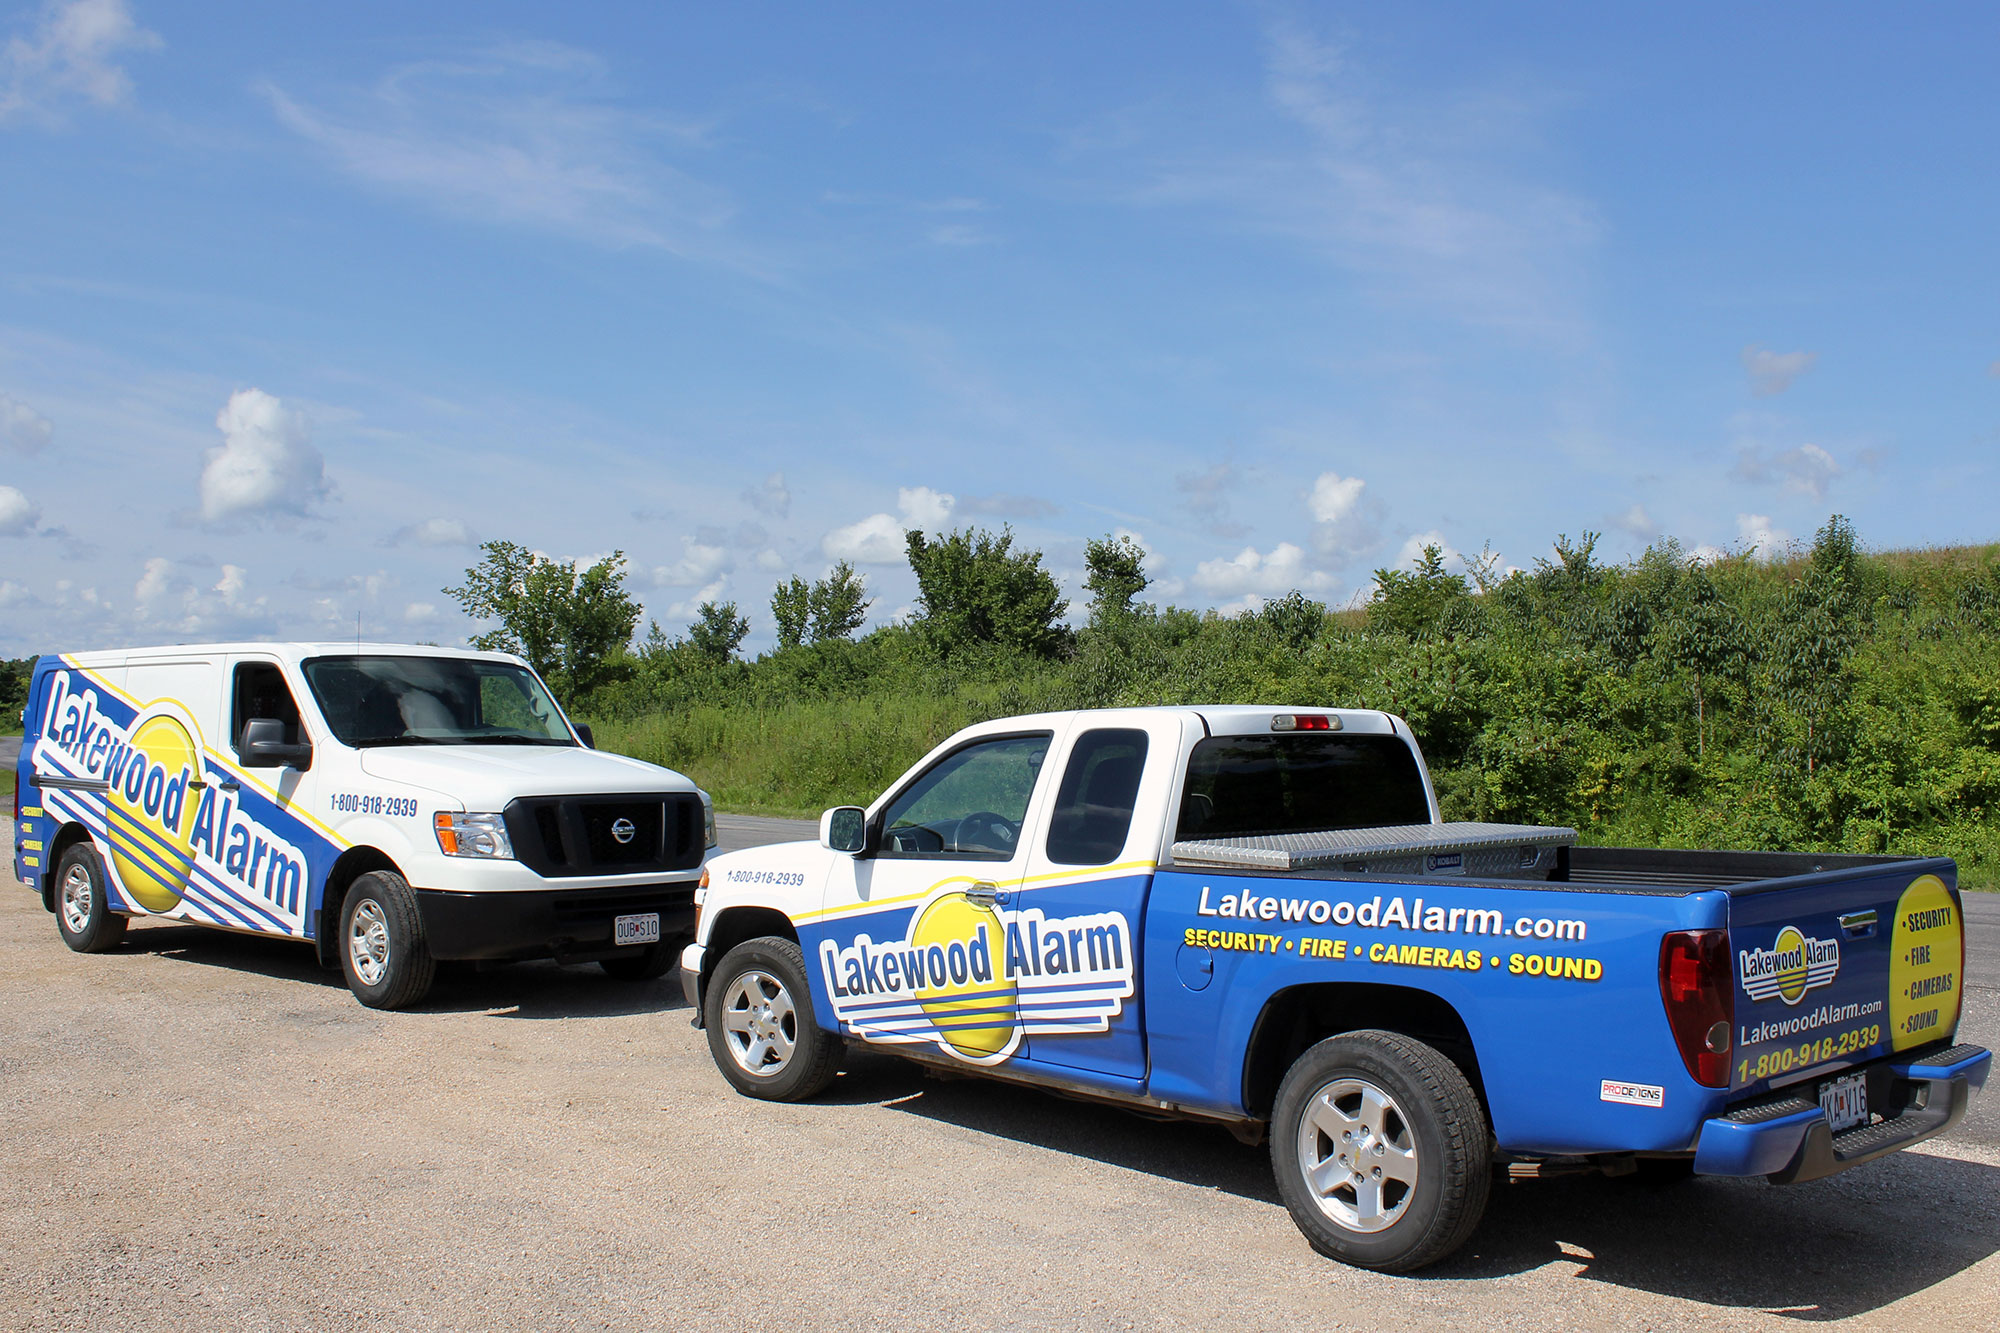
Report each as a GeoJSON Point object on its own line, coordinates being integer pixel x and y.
{"type": "Point", "coordinates": [1304, 722]}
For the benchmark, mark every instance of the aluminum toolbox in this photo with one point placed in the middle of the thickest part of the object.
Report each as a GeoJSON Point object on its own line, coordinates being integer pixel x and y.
{"type": "Point", "coordinates": [1483, 850]}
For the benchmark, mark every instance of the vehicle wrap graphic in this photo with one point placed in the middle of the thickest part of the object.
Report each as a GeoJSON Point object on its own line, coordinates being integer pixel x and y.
{"type": "Point", "coordinates": [183, 835]}
{"type": "Point", "coordinates": [1794, 964]}
{"type": "Point", "coordinates": [974, 979]}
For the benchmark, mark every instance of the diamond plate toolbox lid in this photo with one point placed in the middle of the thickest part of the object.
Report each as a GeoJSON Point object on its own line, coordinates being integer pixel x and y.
{"type": "Point", "coordinates": [1434, 849]}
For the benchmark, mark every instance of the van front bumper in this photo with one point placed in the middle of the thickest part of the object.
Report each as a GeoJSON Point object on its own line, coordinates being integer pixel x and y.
{"type": "Point", "coordinates": [569, 925]}
{"type": "Point", "coordinates": [1787, 1138]}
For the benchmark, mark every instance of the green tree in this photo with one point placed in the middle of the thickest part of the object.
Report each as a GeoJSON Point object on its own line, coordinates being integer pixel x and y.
{"type": "Point", "coordinates": [973, 587]}
{"type": "Point", "coordinates": [1416, 602]}
{"type": "Point", "coordinates": [1116, 576]}
{"type": "Point", "coordinates": [1703, 637]}
{"type": "Point", "coordinates": [791, 608]}
{"type": "Point", "coordinates": [717, 631]}
{"type": "Point", "coordinates": [838, 604]}
{"type": "Point", "coordinates": [567, 620]}
{"type": "Point", "coordinates": [1819, 627]}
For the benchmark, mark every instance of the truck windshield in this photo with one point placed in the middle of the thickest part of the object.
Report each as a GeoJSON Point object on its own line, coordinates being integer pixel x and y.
{"type": "Point", "coordinates": [1301, 782]}
{"type": "Point", "coordinates": [370, 701]}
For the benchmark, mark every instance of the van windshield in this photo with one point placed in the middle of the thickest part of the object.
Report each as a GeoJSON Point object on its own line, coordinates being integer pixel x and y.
{"type": "Point", "coordinates": [371, 700]}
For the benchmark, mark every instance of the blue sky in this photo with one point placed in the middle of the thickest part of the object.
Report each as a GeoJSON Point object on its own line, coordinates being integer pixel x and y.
{"type": "Point", "coordinates": [299, 303]}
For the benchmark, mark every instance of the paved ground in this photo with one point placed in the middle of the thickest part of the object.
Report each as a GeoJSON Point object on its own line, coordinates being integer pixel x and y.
{"type": "Point", "coordinates": [203, 1129]}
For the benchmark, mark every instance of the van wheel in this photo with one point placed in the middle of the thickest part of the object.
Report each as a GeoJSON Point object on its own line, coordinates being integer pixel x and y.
{"type": "Point", "coordinates": [1381, 1151]}
{"type": "Point", "coordinates": [761, 1030]}
{"type": "Point", "coordinates": [83, 911]}
{"type": "Point", "coordinates": [382, 949]}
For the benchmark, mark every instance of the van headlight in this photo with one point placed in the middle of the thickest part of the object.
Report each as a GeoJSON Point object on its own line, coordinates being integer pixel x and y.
{"type": "Point", "coordinates": [473, 835]}
{"type": "Point", "coordinates": [707, 817]}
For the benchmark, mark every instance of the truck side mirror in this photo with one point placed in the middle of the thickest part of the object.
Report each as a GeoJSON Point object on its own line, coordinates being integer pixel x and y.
{"type": "Point", "coordinates": [264, 746]}
{"type": "Point", "coordinates": [586, 735]}
{"type": "Point", "coordinates": [844, 829]}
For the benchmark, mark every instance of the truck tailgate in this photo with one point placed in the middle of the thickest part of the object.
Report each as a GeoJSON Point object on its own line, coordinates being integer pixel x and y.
{"type": "Point", "coordinates": [1840, 968]}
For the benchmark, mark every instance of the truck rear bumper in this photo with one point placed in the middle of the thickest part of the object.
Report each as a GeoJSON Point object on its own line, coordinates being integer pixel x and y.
{"type": "Point", "coordinates": [573, 925]}
{"type": "Point", "coordinates": [1788, 1140]}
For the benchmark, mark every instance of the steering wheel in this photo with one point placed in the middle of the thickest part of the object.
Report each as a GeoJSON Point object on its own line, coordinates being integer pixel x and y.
{"type": "Point", "coordinates": [984, 831]}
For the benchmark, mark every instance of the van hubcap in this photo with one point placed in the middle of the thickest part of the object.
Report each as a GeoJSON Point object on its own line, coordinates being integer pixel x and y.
{"type": "Point", "coordinates": [77, 894]}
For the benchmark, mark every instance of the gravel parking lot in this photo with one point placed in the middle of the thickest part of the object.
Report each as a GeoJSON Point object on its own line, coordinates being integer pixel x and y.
{"type": "Point", "coordinates": [204, 1129]}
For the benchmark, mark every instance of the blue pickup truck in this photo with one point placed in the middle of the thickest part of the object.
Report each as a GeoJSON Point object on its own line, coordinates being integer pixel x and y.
{"type": "Point", "coordinates": [1257, 917]}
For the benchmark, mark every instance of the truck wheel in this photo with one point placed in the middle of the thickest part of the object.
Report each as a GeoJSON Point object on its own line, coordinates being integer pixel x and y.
{"type": "Point", "coordinates": [648, 964]}
{"type": "Point", "coordinates": [761, 1029]}
{"type": "Point", "coordinates": [382, 949]}
{"type": "Point", "coordinates": [1381, 1151]}
{"type": "Point", "coordinates": [83, 910]}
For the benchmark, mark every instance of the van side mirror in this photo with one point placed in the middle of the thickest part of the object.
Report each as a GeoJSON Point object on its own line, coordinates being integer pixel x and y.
{"type": "Point", "coordinates": [264, 746]}
{"type": "Point", "coordinates": [586, 735]}
{"type": "Point", "coordinates": [844, 829]}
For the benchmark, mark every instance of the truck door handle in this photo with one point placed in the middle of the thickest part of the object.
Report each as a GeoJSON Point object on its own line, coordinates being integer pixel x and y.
{"type": "Point", "coordinates": [983, 895]}
{"type": "Point", "coordinates": [1858, 924]}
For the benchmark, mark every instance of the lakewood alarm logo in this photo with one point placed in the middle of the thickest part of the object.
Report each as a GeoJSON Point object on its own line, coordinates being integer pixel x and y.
{"type": "Point", "coordinates": [1794, 964]}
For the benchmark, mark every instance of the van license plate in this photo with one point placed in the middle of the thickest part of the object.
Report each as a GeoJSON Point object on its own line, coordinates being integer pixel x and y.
{"type": "Point", "coordinates": [1845, 1101]}
{"type": "Point", "coordinates": [643, 928]}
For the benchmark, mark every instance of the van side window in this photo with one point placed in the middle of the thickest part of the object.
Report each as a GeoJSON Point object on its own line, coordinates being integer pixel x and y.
{"type": "Point", "coordinates": [1094, 804]}
{"type": "Point", "coordinates": [259, 690]}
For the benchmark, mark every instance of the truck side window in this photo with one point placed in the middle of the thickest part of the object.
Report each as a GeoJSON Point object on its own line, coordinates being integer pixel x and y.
{"type": "Point", "coordinates": [968, 804]}
{"type": "Point", "coordinates": [259, 690]}
{"type": "Point", "coordinates": [1239, 786]}
{"type": "Point", "coordinates": [1094, 804]}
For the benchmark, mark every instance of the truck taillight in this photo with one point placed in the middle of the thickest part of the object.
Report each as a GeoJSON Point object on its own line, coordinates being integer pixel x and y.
{"type": "Point", "coordinates": [1701, 1002]}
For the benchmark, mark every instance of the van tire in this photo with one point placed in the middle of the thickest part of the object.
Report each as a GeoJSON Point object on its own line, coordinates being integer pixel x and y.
{"type": "Point", "coordinates": [381, 943]}
{"type": "Point", "coordinates": [1381, 1151]}
{"type": "Point", "coordinates": [84, 917]}
{"type": "Point", "coordinates": [762, 1032]}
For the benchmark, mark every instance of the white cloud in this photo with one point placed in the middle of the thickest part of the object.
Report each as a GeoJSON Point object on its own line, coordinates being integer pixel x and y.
{"type": "Point", "coordinates": [1003, 504]}
{"type": "Point", "coordinates": [1771, 373]}
{"type": "Point", "coordinates": [521, 133]}
{"type": "Point", "coordinates": [1706, 555]}
{"type": "Point", "coordinates": [1755, 533]}
{"type": "Point", "coordinates": [1434, 202]}
{"type": "Point", "coordinates": [1637, 524]}
{"type": "Point", "coordinates": [420, 613]}
{"type": "Point", "coordinates": [1413, 550]}
{"type": "Point", "coordinates": [875, 540]}
{"type": "Point", "coordinates": [264, 465]}
{"type": "Point", "coordinates": [700, 563]}
{"type": "Point", "coordinates": [772, 497]}
{"type": "Point", "coordinates": [924, 508]}
{"type": "Point", "coordinates": [18, 514]}
{"type": "Point", "coordinates": [770, 561]}
{"type": "Point", "coordinates": [70, 55]}
{"type": "Point", "coordinates": [433, 532]}
{"type": "Point", "coordinates": [1272, 575]}
{"type": "Point", "coordinates": [230, 586]}
{"type": "Point", "coordinates": [22, 429]}
{"type": "Point", "coordinates": [1342, 524]}
{"type": "Point", "coordinates": [1806, 470]}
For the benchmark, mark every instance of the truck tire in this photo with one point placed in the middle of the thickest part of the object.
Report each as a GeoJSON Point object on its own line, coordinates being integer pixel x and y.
{"type": "Point", "coordinates": [1381, 1151]}
{"type": "Point", "coordinates": [382, 948]}
{"type": "Point", "coordinates": [84, 917]}
{"type": "Point", "coordinates": [761, 1029]}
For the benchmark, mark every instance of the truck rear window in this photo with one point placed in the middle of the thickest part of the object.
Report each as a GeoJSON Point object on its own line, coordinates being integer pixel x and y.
{"type": "Point", "coordinates": [1299, 782]}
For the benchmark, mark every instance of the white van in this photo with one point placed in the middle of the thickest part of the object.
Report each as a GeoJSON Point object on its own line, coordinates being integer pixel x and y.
{"type": "Point", "coordinates": [395, 805]}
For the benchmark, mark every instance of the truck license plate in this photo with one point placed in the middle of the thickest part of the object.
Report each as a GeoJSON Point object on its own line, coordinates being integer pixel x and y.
{"type": "Point", "coordinates": [640, 928]}
{"type": "Point", "coordinates": [1845, 1101]}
